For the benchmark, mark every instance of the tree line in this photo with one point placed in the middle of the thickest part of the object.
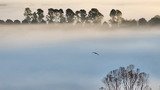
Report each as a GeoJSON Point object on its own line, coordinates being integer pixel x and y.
{"type": "Point", "coordinates": [126, 78]}
{"type": "Point", "coordinates": [94, 16]}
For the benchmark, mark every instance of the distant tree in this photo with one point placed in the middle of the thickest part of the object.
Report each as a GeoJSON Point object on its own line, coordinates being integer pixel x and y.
{"type": "Point", "coordinates": [94, 16]}
{"type": "Point", "coordinates": [77, 17]}
{"type": "Point", "coordinates": [105, 24]}
{"type": "Point", "coordinates": [113, 16]}
{"type": "Point", "coordinates": [2, 21]}
{"type": "Point", "coordinates": [127, 78]}
{"type": "Point", "coordinates": [119, 17]}
{"type": "Point", "coordinates": [40, 16]}
{"type": "Point", "coordinates": [129, 23]}
{"type": "Point", "coordinates": [83, 15]}
{"type": "Point", "coordinates": [56, 15]}
{"type": "Point", "coordinates": [25, 21]}
{"type": "Point", "coordinates": [62, 18]}
{"type": "Point", "coordinates": [70, 15]}
{"type": "Point", "coordinates": [133, 22]}
{"type": "Point", "coordinates": [34, 18]}
{"type": "Point", "coordinates": [50, 15]}
{"type": "Point", "coordinates": [28, 15]}
{"type": "Point", "coordinates": [116, 17]}
{"type": "Point", "coordinates": [142, 22]}
{"type": "Point", "coordinates": [155, 20]}
{"type": "Point", "coordinates": [9, 21]}
{"type": "Point", "coordinates": [80, 16]}
{"type": "Point", "coordinates": [17, 22]}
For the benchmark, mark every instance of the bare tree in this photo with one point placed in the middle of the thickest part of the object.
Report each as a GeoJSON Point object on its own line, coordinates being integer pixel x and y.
{"type": "Point", "coordinates": [142, 80]}
{"type": "Point", "coordinates": [127, 78]}
{"type": "Point", "coordinates": [112, 80]}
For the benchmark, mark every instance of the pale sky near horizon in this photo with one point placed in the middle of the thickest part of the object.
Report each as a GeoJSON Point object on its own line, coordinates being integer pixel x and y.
{"type": "Point", "coordinates": [131, 9]}
{"type": "Point", "coordinates": [122, 2]}
{"type": "Point", "coordinates": [80, 0]}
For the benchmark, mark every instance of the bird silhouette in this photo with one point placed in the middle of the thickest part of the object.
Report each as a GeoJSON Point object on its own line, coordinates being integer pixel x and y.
{"type": "Point", "coordinates": [95, 53]}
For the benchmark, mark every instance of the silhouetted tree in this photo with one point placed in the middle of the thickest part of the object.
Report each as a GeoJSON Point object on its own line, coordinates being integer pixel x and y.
{"type": "Point", "coordinates": [2, 22]}
{"type": "Point", "coordinates": [17, 22]}
{"type": "Point", "coordinates": [80, 16]}
{"type": "Point", "coordinates": [83, 15]}
{"type": "Point", "coordinates": [129, 23]}
{"type": "Point", "coordinates": [116, 17]}
{"type": "Point", "coordinates": [77, 17]}
{"type": "Point", "coordinates": [40, 16]}
{"type": "Point", "coordinates": [28, 15]}
{"type": "Point", "coordinates": [105, 24]}
{"type": "Point", "coordinates": [155, 20]}
{"type": "Point", "coordinates": [34, 18]}
{"type": "Point", "coordinates": [25, 21]}
{"type": "Point", "coordinates": [119, 17]}
{"type": "Point", "coordinates": [50, 16]}
{"type": "Point", "coordinates": [62, 18]}
{"type": "Point", "coordinates": [129, 78]}
{"type": "Point", "coordinates": [142, 22]}
{"type": "Point", "coordinates": [9, 21]}
{"type": "Point", "coordinates": [94, 16]}
{"type": "Point", "coordinates": [70, 15]}
{"type": "Point", "coordinates": [113, 16]}
{"type": "Point", "coordinates": [57, 15]}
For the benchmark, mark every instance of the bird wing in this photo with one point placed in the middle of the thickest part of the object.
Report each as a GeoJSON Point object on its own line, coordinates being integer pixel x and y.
{"type": "Point", "coordinates": [95, 53]}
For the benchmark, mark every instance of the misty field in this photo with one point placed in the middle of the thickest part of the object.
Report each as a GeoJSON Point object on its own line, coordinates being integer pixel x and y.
{"type": "Point", "coordinates": [53, 57]}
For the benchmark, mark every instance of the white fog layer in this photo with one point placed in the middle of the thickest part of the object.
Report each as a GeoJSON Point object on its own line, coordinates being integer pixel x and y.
{"type": "Point", "coordinates": [48, 57]}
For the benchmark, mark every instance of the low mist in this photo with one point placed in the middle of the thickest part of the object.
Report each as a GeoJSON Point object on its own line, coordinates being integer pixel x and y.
{"type": "Point", "coordinates": [16, 36]}
{"type": "Point", "coordinates": [59, 57]}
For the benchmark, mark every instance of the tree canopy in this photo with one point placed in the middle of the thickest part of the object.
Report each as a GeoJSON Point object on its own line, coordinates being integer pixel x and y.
{"type": "Point", "coordinates": [126, 78]}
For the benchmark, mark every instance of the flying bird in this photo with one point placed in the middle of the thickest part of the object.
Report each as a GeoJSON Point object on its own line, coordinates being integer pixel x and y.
{"type": "Point", "coordinates": [95, 53]}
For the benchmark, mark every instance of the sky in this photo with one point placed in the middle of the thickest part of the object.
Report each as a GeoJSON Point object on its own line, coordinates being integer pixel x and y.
{"type": "Point", "coordinates": [131, 9]}
{"type": "Point", "coordinates": [47, 59]}
{"type": "Point", "coordinates": [101, 1]}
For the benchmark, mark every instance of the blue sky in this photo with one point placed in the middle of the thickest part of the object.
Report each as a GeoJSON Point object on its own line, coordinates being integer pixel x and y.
{"type": "Point", "coordinates": [71, 65]}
